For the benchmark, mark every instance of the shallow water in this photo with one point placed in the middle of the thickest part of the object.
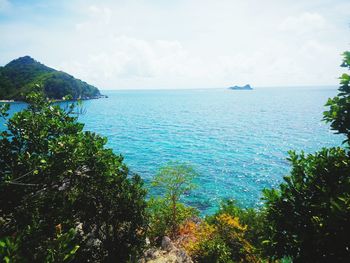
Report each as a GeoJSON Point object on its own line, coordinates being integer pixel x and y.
{"type": "Point", "coordinates": [237, 140]}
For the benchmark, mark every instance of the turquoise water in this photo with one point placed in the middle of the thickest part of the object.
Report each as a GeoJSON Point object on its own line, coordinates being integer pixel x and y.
{"type": "Point", "coordinates": [237, 140]}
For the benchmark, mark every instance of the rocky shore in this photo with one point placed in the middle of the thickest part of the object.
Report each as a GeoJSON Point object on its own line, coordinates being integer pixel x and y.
{"type": "Point", "coordinates": [167, 253]}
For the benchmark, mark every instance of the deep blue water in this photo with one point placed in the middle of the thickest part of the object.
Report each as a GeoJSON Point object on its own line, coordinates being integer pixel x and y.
{"type": "Point", "coordinates": [237, 140]}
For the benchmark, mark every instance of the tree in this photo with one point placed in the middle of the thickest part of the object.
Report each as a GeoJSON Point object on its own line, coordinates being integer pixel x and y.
{"type": "Point", "coordinates": [174, 180]}
{"type": "Point", "coordinates": [339, 107]}
{"type": "Point", "coordinates": [309, 215]}
{"type": "Point", "coordinates": [54, 175]}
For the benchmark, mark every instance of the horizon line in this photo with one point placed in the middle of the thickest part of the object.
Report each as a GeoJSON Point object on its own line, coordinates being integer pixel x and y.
{"type": "Point", "coordinates": [217, 88]}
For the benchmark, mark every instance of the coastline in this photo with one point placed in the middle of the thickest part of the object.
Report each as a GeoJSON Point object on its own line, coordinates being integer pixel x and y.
{"type": "Point", "coordinates": [60, 100]}
{"type": "Point", "coordinates": [85, 98]}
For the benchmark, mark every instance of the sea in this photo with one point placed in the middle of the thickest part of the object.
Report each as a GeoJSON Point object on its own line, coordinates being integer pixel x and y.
{"type": "Point", "coordinates": [236, 140]}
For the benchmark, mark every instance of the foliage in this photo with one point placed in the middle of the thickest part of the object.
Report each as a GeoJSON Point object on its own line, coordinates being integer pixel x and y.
{"type": "Point", "coordinates": [192, 232]}
{"type": "Point", "coordinates": [201, 242]}
{"type": "Point", "coordinates": [222, 240]}
{"type": "Point", "coordinates": [18, 76]}
{"type": "Point", "coordinates": [213, 250]}
{"type": "Point", "coordinates": [233, 233]}
{"type": "Point", "coordinates": [252, 218]}
{"type": "Point", "coordinates": [339, 107]}
{"type": "Point", "coordinates": [309, 217]}
{"type": "Point", "coordinates": [62, 248]}
{"type": "Point", "coordinates": [167, 213]}
{"type": "Point", "coordinates": [160, 218]}
{"type": "Point", "coordinates": [8, 250]}
{"type": "Point", "coordinates": [52, 173]}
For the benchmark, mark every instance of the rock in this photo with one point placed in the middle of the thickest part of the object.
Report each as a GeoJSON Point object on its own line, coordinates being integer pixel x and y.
{"type": "Point", "coordinates": [167, 245]}
{"type": "Point", "coordinates": [245, 87]}
{"type": "Point", "coordinates": [174, 256]}
{"type": "Point", "coordinates": [167, 254]}
{"type": "Point", "coordinates": [182, 256]}
{"type": "Point", "coordinates": [152, 253]}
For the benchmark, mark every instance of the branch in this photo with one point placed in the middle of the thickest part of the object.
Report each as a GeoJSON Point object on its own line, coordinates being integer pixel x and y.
{"type": "Point", "coordinates": [22, 176]}
{"type": "Point", "coordinates": [23, 184]}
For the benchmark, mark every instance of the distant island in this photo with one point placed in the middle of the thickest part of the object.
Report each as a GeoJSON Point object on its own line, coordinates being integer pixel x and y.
{"type": "Point", "coordinates": [246, 87]}
{"type": "Point", "coordinates": [19, 76]}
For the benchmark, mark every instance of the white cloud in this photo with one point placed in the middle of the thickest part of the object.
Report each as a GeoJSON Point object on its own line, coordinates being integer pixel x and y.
{"type": "Point", "coordinates": [134, 44]}
{"type": "Point", "coordinates": [102, 13]}
{"type": "Point", "coordinates": [303, 23]}
{"type": "Point", "coordinates": [124, 59]}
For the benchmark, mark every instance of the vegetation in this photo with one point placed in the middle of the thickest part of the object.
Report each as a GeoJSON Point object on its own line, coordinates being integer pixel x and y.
{"type": "Point", "coordinates": [20, 75]}
{"type": "Point", "coordinates": [309, 216]}
{"type": "Point", "coordinates": [63, 195]}
{"type": "Point", "coordinates": [167, 212]}
{"type": "Point", "coordinates": [253, 219]}
{"type": "Point", "coordinates": [339, 107]}
{"type": "Point", "coordinates": [222, 239]}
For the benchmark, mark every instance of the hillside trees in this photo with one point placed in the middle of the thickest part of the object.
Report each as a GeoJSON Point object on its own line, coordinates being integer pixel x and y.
{"type": "Point", "coordinates": [19, 76]}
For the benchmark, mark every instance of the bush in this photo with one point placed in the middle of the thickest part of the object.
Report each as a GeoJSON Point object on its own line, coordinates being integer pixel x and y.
{"type": "Point", "coordinates": [222, 240]}
{"type": "Point", "coordinates": [339, 106]}
{"type": "Point", "coordinates": [160, 217]}
{"type": "Point", "coordinates": [52, 173]}
{"type": "Point", "coordinates": [309, 215]}
{"type": "Point", "coordinates": [203, 244]}
{"type": "Point", "coordinates": [252, 218]}
{"type": "Point", "coordinates": [213, 250]}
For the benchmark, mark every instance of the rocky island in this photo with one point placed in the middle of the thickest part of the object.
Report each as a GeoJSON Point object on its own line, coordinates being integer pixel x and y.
{"type": "Point", "coordinates": [245, 87]}
{"type": "Point", "coordinates": [19, 76]}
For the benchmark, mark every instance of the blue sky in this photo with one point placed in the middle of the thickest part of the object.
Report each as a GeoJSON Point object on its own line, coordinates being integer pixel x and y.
{"type": "Point", "coordinates": [128, 44]}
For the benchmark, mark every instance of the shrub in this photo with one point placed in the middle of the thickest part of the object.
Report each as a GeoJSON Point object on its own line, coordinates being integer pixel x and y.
{"type": "Point", "coordinates": [160, 217]}
{"type": "Point", "coordinates": [54, 173]}
{"type": "Point", "coordinates": [339, 107]}
{"type": "Point", "coordinates": [213, 250]}
{"type": "Point", "coordinates": [203, 244]}
{"type": "Point", "coordinates": [309, 215]}
{"type": "Point", "coordinates": [252, 218]}
{"type": "Point", "coordinates": [223, 240]}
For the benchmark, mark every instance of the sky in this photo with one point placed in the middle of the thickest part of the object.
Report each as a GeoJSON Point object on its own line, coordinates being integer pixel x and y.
{"type": "Point", "coordinates": [156, 44]}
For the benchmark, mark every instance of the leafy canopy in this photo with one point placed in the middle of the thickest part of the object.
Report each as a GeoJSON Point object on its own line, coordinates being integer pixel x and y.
{"type": "Point", "coordinates": [339, 107]}
{"type": "Point", "coordinates": [175, 179]}
{"type": "Point", "coordinates": [309, 217]}
{"type": "Point", "coordinates": [55, 175]}
{"type": "Point", "coordinates": [167, 212]}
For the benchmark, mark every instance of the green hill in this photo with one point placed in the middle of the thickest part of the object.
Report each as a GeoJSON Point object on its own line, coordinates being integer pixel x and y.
{"type": "Point", "coordinates": [18, 76]}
